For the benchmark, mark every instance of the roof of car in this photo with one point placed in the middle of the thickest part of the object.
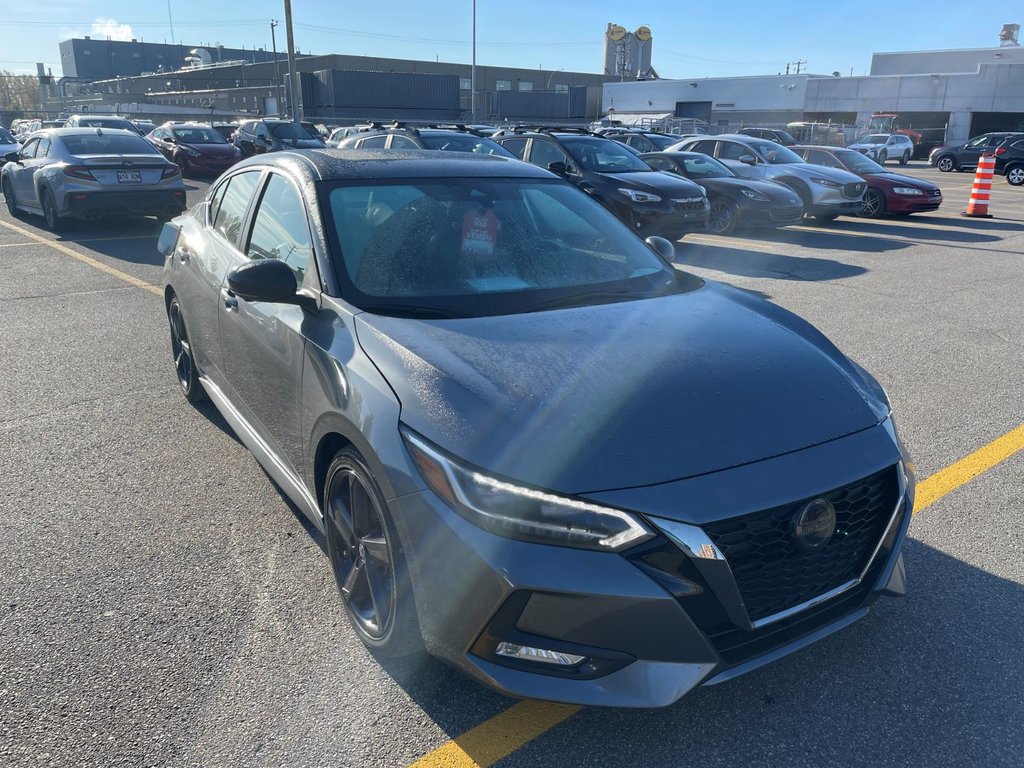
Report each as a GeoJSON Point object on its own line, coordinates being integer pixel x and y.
{"type": "Point", "coordinates": [318, 164]}
{"type": "Point", "coordinates": [85, 131]}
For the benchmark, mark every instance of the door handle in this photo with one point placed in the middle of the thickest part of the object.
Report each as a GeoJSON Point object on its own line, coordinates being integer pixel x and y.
{"type": "Point", "coordinates": [229, 299]}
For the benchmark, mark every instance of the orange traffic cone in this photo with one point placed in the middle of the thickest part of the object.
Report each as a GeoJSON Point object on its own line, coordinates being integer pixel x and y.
{"type": "Point", "coordinates": [977, 206]}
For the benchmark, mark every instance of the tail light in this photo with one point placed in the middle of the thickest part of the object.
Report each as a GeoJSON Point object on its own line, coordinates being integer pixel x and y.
{"type": "Point", "coordinates": [170, 172]}
{"type": "Point", "coordinates": [1001, 151]}
{"type": "Point", "coordinates": [79, 172]}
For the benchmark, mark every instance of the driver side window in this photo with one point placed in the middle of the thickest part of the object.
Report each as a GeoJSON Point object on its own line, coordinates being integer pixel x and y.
{"type": "Point", "coordinates": [280, 230]}
{"type": "Point", "coordinates": [730, 150]}
{"type": "Point", "coordinates": [543, 153]}
{"type": "Point", "coordinates": [29, 150]}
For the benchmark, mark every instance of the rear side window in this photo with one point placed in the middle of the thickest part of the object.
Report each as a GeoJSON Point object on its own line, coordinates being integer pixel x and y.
{"type": "Point", "coordinates": [516, 146]}
{"type": "Point", "coordinates": [373, 142]}
{"type": "Point", "coordinates": [402, 142]}
{"type": "Point", "coordinates": [231, 211]}
{"type": "Point", "coordinates": [108, 144]}
{"type": "Point", "coordinates": [704, 147]}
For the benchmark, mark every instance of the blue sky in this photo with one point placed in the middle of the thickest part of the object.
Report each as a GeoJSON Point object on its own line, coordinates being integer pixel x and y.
{"type": "Point", "coordinates": [703, 39]}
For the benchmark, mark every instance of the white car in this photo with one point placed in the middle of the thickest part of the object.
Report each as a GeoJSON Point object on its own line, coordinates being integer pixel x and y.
{"type": "Point", "coordinates": [8, 144]}
{"type": "Point", "coordinates": [885, 146]}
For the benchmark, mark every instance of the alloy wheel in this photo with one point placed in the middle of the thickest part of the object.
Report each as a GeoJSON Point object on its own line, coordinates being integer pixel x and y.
{"type": "Point", "coordinates": [50, 212]}
{"type": "Point", "coordinates": [1015, 176]}
{"type": "Point", "coordinates": [722, 217]}
{"type": "Point", "coordinates": [360, 552]}
{"type": "Point", "coordinates": [180, 347]}
{"type": "Point", "coordinates": [874, 204]}
{"type": "Point", "coordinates": [12, 205]}
{"type": "Point", "coordinates": [945, 164]}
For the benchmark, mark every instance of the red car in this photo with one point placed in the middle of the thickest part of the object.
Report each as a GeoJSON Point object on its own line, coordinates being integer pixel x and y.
{"type": "Point", "coordinates": [195, 147]}
{"type": "Point", "coordinates": [887, 192]}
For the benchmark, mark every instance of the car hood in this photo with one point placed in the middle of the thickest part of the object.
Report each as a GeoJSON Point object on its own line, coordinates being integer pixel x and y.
{"type": "Point", "coordinates": [5, 148]}
{"type": "Point", "coordinates": [806, 170]}
{"type": "Point", "coordinates": [899, 180]}
{"type": "Point", "coordinates": [622, 395]}
{"type": "Point", "coordinates": [864, 145]}
{"type": "Point", "coordinates": [776, 192]}
{"type": "Point", "coordinates": [664, 184]}
{"type": "Point", "coordinates": [302, 143]}
{"type": "Point", "coordinates": [213, 150]}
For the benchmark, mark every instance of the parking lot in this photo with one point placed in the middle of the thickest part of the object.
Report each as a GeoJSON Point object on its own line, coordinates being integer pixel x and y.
{"type": "Point", "coordinates": [164, 605]}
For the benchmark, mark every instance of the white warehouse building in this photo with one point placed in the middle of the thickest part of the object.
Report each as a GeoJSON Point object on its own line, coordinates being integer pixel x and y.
{"type": "Point", "coordinates": [965, 92]}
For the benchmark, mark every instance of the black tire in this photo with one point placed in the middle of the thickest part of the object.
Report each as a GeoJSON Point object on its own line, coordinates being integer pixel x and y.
{"type": "Point", "coordinates": [882, 157]}
{"type": "Point", "coordinates": [946, 163]}
{"type": "Point", "coordinates": [54, 222]}
{"type": "Point", "coordinates": [182, 162]}
{"type": "Point", "coordinates": [12, 203]}
{"type": "Point", "coordinates": [1015, 175]}
{"type": "Point", "coordinates": [724, 216]}
{"type": "Point", "coordinates": [874, 204]}
{"type": "Point", "coordinates": [801, 191]}
{"type": "Point", "coordinates": [185, 368]}
{"type": "Point", "coordinates": [367, 559]}
{"type": "Point", "coordinates": [905, 159]}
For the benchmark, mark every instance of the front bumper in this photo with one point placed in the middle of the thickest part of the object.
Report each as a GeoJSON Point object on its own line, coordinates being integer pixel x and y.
{"type": "Point", "coordinates": [771, 215]}
{"type": "Point", "coordinates": [652, 620]}
{"type": "Point", "coordinates": [211, 164]}
{"type": "Point", "coordinates": [669, 218]}
{"type": "Point", "coordinates": [912, 203]}
{"type": "Point", "coordinates": [90, 204]}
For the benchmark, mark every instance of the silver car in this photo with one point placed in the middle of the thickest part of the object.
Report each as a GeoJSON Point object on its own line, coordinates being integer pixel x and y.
{"type": "Point", "coordinates": [825, 192]}
{"type": "Point", "coordinates": [85, 173]}
{"type": "Point", "coordinates": [885, 146]}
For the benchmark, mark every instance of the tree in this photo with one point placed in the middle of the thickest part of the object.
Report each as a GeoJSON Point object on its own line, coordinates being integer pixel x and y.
{"type": "Point", "coordinates": [19, 92]}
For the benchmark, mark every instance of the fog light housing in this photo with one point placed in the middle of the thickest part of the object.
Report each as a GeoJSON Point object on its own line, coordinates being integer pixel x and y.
{"type": "Point", "coordinates": [542, 655]}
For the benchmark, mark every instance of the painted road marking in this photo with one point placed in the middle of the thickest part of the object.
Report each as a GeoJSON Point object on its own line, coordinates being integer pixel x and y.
{"type": "Point", "coordinates": [512, 729]}
{"type": "Point", "coordinates": [131, 279]}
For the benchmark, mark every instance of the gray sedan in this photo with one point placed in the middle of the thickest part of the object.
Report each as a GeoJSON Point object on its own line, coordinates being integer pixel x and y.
{"type": "Point", "coordinates": [86, 173]}
{"type": "Point", "coordinates": [535, 448]}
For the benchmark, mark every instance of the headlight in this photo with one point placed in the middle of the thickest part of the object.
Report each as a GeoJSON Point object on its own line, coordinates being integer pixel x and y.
{"type": "Point", "coordinates": [640, 197]}
{"type": "Point", "coordinates": [907, 191]}
{"type": "Point", "coordinates": [827, 182]}
{"type": "Point", "coordinates": [523, 513]}
{"type": "Point", "coordinates": [191, 152]}
{"type": "Point", "coordinates": [755, 195]}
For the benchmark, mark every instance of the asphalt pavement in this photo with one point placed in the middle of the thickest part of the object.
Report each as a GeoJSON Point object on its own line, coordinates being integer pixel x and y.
{"type": "Point", "coordinates": [162, 604]}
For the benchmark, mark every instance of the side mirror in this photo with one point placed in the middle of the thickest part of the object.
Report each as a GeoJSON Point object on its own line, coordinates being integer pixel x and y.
{"type": "Point", "coordinates": [748, 160]}
{"type": "Point", "coordinates": [12, 157]}
{"type": "Point", "coordinates": [558, 167]}
{"type": "Point", "coordinates": [168, 238]}
{"type": "Point", "coordinates": [267, 280]}
{"type": "Point", "coordinates": [665, 250]}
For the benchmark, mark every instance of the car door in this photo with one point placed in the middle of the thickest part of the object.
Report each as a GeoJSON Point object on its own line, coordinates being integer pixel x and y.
{"type": "Point", "coordinates": [971, 151]}
{"type": "Point", "coordinates": [263, 342]}
{"type": "Point", "coordinates": [24, 174]}
{"type": "Point", "coordinates": [543, 153]}
{"type": "Point", "coordinates": [208, 259]}
{"type": "Point", "coordinates": [730, 152]}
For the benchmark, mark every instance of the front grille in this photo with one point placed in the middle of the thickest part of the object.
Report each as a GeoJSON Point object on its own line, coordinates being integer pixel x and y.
{"type": "Point", "coordinates": [793, 214]}
{"type": "Point", "coordinates": [773, 574]}
{"type": "Point", "coordinates": [690, 204]}
{"type": "Point", "coordinates": [935, 192]}
{"type": "Point", "coordinates": [854, 189]}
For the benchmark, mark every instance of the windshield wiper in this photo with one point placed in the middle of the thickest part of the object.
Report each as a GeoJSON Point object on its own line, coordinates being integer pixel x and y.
{"type": "Point", "coordinates": [411, 310]}
{"type": "Point", "coordinates": [606, 296]}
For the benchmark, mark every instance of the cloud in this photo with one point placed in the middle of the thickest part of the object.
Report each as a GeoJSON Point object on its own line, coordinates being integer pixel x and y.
{"type": "Point", "coordinates": [104, 28]}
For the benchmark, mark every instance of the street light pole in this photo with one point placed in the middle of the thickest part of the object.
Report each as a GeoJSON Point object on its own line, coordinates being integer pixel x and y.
{"type": "Point", "coordinates": [472, 84]}
{"type": "Point", "coordinates": [293, 74]}
{"type": "Point", "coordinates": [277, 67]}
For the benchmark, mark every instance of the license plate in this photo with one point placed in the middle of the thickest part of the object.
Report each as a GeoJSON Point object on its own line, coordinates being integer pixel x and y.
{"type": "Point", "coordinates": [129, 177]}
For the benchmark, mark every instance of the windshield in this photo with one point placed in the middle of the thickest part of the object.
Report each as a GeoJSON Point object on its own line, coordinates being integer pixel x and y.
{"type": "Point", "coordinates": [6, 138]}
{"type": "Point", "coordinates": [785, 136]}
{"type": "Point", "coordinates": [484, 246]}
{"type": "Point", "coordinates": [703, 167]}
{"type": "Point", "coordinates": [858, 163]}
{"type": "Point", "coordinates": [875, 138]}
{"type": "Point", "coordinates": [662, 140]}
{"type": "Point", "coordinates": [775, 154]}
{"type": "Point", "coordinates": [289, 131]}
{"type": "Point", "coordinates": [106, 122]}
{"type": "Point", "coordinates": [464, 142]}
{"type": "Point", "coordinates": [107, 144]}
{"type": "Point", "coordinates": [603, 155]}
{"type": "Point", "coordinates": [198, 136]}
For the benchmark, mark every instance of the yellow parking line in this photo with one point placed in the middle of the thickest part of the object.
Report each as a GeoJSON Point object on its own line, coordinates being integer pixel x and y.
{"type": "Point", "coordinates": [131, 279]}
{"type": "Point", "coordinates": [16, 245]}
{"type": "Point", "coordinates": [512, 729]}
{"type": "Point", "coordinates": [952, 477]}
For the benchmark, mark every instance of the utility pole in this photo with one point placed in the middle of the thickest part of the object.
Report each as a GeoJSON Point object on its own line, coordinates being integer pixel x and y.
{"type": "Point", "coordinates": [472, 78]}
{"type": "Point", "coordinates": [293, 74]}
{"type": "Point", "coordinates": [277, 66]}
{"type": "Point", "coordinates": [798, 63]}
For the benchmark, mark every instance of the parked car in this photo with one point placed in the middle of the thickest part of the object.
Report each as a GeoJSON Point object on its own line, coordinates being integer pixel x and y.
{"type": "Point", "coordinates": [474, 381]}
{"type": "Point", "coordinates": [254, 137]}
{"type": "Point", "coordinates": [887, 192]}
{"type": "Point", "coordinates": [779, 136]}
{"type": "Point", "coordinates": [642, 141]}
{"type": "Point", "coordinates": [341, 133]}
{"type": "Point", "coordinates": [85, 173]}
{"type": "Point", "coordinates": [734, 201]}
{"type": "Point", "coordinates": [226, 130]}
{"type": "Point", "coordinates": [194, 147]}
{"type": "Point", "coordinates": [448, 139]}
{"type": "Point", "coordinates": [101, 121]}
{"type": "Point", "coordinates": [825, 192]}
{"type": "Point", "coordinates": [964, 157]}
{"type": "Point", "coordinates": [650, 202]}
{"type": "Point", "coordinates": [8, 144]}
{"type": "Point", "coordinates": [1010, 159]}
{"type": "Point", "coordinates": [885, 146]}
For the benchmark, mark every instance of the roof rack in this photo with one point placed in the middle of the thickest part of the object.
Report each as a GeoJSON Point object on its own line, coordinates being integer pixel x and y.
{"type": "Point", "coordinates": [580, 129]}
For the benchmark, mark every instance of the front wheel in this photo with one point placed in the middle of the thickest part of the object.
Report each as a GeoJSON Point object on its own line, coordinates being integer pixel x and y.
{"type": "Point", "coordinates": [12, 204]}
{"type": "Point", "coordinates": [1015, 175]}
{"type": "Point", "coordinates": [182, 163]}
{"type": "Point", "coordinates": [723, 217]}
{"type": "Point", "coordinates": [874, 204]}
{"type": "Point", "coordinates": [946, 164]}
{"type": "Point", "coordinates": [367, 559]}
{"type": "Point", "coordinates": [905, 159]}
{"type": "Point", "coordinates": [882, 157]}
{"type": "Point", "coordinates": [181, 350]}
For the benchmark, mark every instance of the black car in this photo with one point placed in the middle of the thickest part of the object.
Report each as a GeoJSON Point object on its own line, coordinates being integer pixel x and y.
{"type": "Point", "coordinates": [454, 139]}
{"type": "Point", "coordinates": [964, 157]}
{"type": "Point", "coordinates": [779, 136]}
{"type": "Point", "coordinates": [735, 201]}
{"type": "Point", "coordinates": [651, 202]}
{"type": "Point", "coordinates": [194, 147]}
{"type": "Point", "coordinates": [254, 137]}
{"type": "Point", "coordinates": [643, 141]}
{"type": "Point", "coordinates": [1010, 159]}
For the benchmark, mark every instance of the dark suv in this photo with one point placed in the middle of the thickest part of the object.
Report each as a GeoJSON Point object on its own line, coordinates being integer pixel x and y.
{"type": "Point", "coordinates": [779, 136]}
{"type": "Point", "coordinates": [964, 157]}
{"type": "Point", "coordinates": [651, 202]}
{"type": "Point", "coordinates": [455, 138]}
{"type": "Point", "coordinates": [1010, 159]}
{"type": "Point", "coordinates": [254, 137]}
{"type": "Point", "coordinates": [643, 141]}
